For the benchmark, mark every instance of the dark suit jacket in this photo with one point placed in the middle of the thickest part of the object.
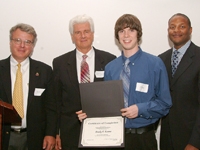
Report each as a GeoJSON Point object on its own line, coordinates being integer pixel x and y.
{"type": "Point", "coordinates": [68, 95]}
{"type": "Point", "coordinates": [183, 120]}
{"type": "Point", "coordinates": [41, 110]}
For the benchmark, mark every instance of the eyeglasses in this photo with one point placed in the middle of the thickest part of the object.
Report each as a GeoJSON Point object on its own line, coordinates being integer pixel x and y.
{"type": "Point", "coordinates": [19, 42]}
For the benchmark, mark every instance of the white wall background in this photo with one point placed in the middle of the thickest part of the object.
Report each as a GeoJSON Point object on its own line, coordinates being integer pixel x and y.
{"type": "Point", "coordinates": [50, 19]}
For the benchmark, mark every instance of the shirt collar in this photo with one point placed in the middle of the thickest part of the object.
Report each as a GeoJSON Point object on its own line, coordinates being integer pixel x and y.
{"type": "Point", "coordinates": [14, 62]}
{"type": "Point", "coordinates": [133, 57]}
{"type": "Point", "coordinates": [89, 54]}
{"type": "Point", "coordinates": [183, 49]}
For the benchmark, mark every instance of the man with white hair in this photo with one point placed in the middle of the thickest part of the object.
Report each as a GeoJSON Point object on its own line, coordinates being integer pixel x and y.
{"type": "Point", "coordinates": [68, 71]}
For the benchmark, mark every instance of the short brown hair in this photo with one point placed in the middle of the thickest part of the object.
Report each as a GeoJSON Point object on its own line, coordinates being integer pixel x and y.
{"type": "Point", "coordinates": [128, 21]}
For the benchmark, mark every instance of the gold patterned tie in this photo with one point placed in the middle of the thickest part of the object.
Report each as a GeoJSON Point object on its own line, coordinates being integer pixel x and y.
{"type": "Point", "coordinates": [18, 93]}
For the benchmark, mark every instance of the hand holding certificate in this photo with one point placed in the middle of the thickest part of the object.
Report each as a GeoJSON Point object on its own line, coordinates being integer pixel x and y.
{"type": "Point", "coordinates": [104, 126]}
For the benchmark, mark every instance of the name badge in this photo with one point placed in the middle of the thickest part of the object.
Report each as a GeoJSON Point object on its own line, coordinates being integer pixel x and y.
{"type": "Point", "coordinates": [99, 74]}
{"type": "Point", "coordinates": [38, 91]}
{"type": "Point", "coordinates": [141, 87]}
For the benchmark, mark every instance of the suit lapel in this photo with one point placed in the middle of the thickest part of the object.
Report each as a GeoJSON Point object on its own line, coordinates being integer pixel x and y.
{"type": "Point", "coordinates": [185, 62]}
{"type": "Point", "coordinates": [99, 64]}
{"type": "Point", "coordinates": [72, 69]}
{"type": "Point", "coordinates": [168, 65]}
{"type": "Point", "coordinates": [6, 79]}
{"type": "Point", "coordinates": [34, 78]}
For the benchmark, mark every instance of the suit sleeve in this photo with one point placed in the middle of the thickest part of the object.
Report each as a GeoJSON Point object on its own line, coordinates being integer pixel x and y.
{"type": "Point", "coordinates": [50, 103]}
{"type": "Point", "coordinates": [195, 137]}
{"type": "Point", "coordinates": [57, 92]}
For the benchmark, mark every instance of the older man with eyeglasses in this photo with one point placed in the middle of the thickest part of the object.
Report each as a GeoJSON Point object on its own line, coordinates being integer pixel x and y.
{"type": "Point", "coordinates": [27, 85]}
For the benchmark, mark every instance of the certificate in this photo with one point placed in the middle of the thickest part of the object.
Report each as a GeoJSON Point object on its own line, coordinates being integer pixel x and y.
{"type": "Point", "coordinates": [106, 131]}
{"type": "Point", "coordinates": [104, 125]}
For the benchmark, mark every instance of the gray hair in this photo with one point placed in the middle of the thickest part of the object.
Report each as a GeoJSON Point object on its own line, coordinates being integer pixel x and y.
{"type": "Point", "coordinates": [26, 28]}
{"type": "Point", "coordinates": [80, 19]}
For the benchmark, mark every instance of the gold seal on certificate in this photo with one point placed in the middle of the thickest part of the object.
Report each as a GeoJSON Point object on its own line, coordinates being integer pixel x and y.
{"type": "Point", "coordinates": [104, 126]}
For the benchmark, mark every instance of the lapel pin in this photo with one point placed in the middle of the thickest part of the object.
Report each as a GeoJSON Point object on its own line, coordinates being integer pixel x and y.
{"type": "Point", "coordinates": [37, 74]}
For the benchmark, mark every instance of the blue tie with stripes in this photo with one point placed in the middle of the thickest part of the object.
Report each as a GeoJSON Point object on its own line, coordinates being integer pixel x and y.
{"type": "Point", "coordinates": [125, 77]}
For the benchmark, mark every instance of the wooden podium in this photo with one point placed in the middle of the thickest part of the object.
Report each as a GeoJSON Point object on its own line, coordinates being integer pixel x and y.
{"type": "Point", "coordinates": [8, 114]}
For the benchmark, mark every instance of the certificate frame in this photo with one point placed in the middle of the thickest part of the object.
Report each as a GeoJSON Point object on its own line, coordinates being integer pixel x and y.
{"type": "Point", "coordinates": [104, 125]}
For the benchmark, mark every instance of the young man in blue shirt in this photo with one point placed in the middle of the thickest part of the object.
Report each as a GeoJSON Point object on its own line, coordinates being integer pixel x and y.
{"type": "Point", "coordinates": [148, 96]}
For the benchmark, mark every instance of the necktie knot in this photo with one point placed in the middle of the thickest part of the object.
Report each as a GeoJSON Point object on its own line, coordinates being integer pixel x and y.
{"type": "Point", "coordinates": [126, 66]}
{"type": "Point", "coordinates": [127, 62]}
{"type": "Point", "coordinates": [175, 53]}
{"type": "Point", "coordinates": [19, 66]}
{"type": "Point", "coordinates": [84, 57]}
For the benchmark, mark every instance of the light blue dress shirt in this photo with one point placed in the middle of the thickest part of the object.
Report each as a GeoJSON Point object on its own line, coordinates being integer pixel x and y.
{"type": "Point", "coordinates": [181, 50]}
{"type": "Point", "coordinates": [149, 87]}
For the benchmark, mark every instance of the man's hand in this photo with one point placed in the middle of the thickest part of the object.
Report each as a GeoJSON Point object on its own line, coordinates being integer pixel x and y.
{"type": "Point", "coordinates": [49, 143]}
{"type": "Point", "coordinates": [58, 143]}
{"type": "Point", "coordinates": [81, 115]}
{"type": "Point", "coordinates": [190, 147]}
{"type": "Point", "coordinates": [130, 112]}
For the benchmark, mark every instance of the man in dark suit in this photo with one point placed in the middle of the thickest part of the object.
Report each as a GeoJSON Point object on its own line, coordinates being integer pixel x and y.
{"type": "Point", "coordinates": [180, 129]}
{"type": "Point", "coordinates": [67, 70]}
{"type": "Point", "coordinates": [37, 129]}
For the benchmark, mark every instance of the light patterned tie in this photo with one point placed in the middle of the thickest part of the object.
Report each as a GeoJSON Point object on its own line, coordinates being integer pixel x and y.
{"type": "Point", "coordinates": [125, 77]}
{"type": "Point", "coordinates": [18, 93]}
{"type": "Point", "coordinates": [174, 61]}
{"type": "Point", "coordinates": [85, 74]}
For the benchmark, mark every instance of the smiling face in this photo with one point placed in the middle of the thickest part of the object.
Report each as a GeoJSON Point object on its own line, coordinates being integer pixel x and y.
{"type": "Point", "coordinates": [20, 51]}
{"type": "Point", "coordinates": [82, 37]}
{"type": "Point", "coordinates": [128, 39]}
{"type": "Point", "coordinates": [128, 31]}
{"type": "Point", "coordinates": [179, 31]}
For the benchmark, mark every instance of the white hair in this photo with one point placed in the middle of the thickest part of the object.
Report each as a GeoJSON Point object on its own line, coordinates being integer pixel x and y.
{"type": "Point", "coordinates": [80, 19]}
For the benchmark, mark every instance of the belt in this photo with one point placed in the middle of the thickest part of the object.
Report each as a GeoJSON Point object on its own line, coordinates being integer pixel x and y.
{"type": "Point", "coordinates": [20, 130]}
{"type": "Point", "coordinates": [140, 130]}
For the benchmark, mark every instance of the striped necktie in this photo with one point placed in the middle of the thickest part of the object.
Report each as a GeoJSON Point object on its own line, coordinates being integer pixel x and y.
{"type": "Point", "coordinates": [18, 93]}
{"type": "Point", "coordinates": [125, 77]}
{"type": "Point", "coordinates": [85, 74]}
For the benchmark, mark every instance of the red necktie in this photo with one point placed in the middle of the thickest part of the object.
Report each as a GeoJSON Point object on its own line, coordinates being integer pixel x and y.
{"type": "Point", "coordinates": [85, 74]}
